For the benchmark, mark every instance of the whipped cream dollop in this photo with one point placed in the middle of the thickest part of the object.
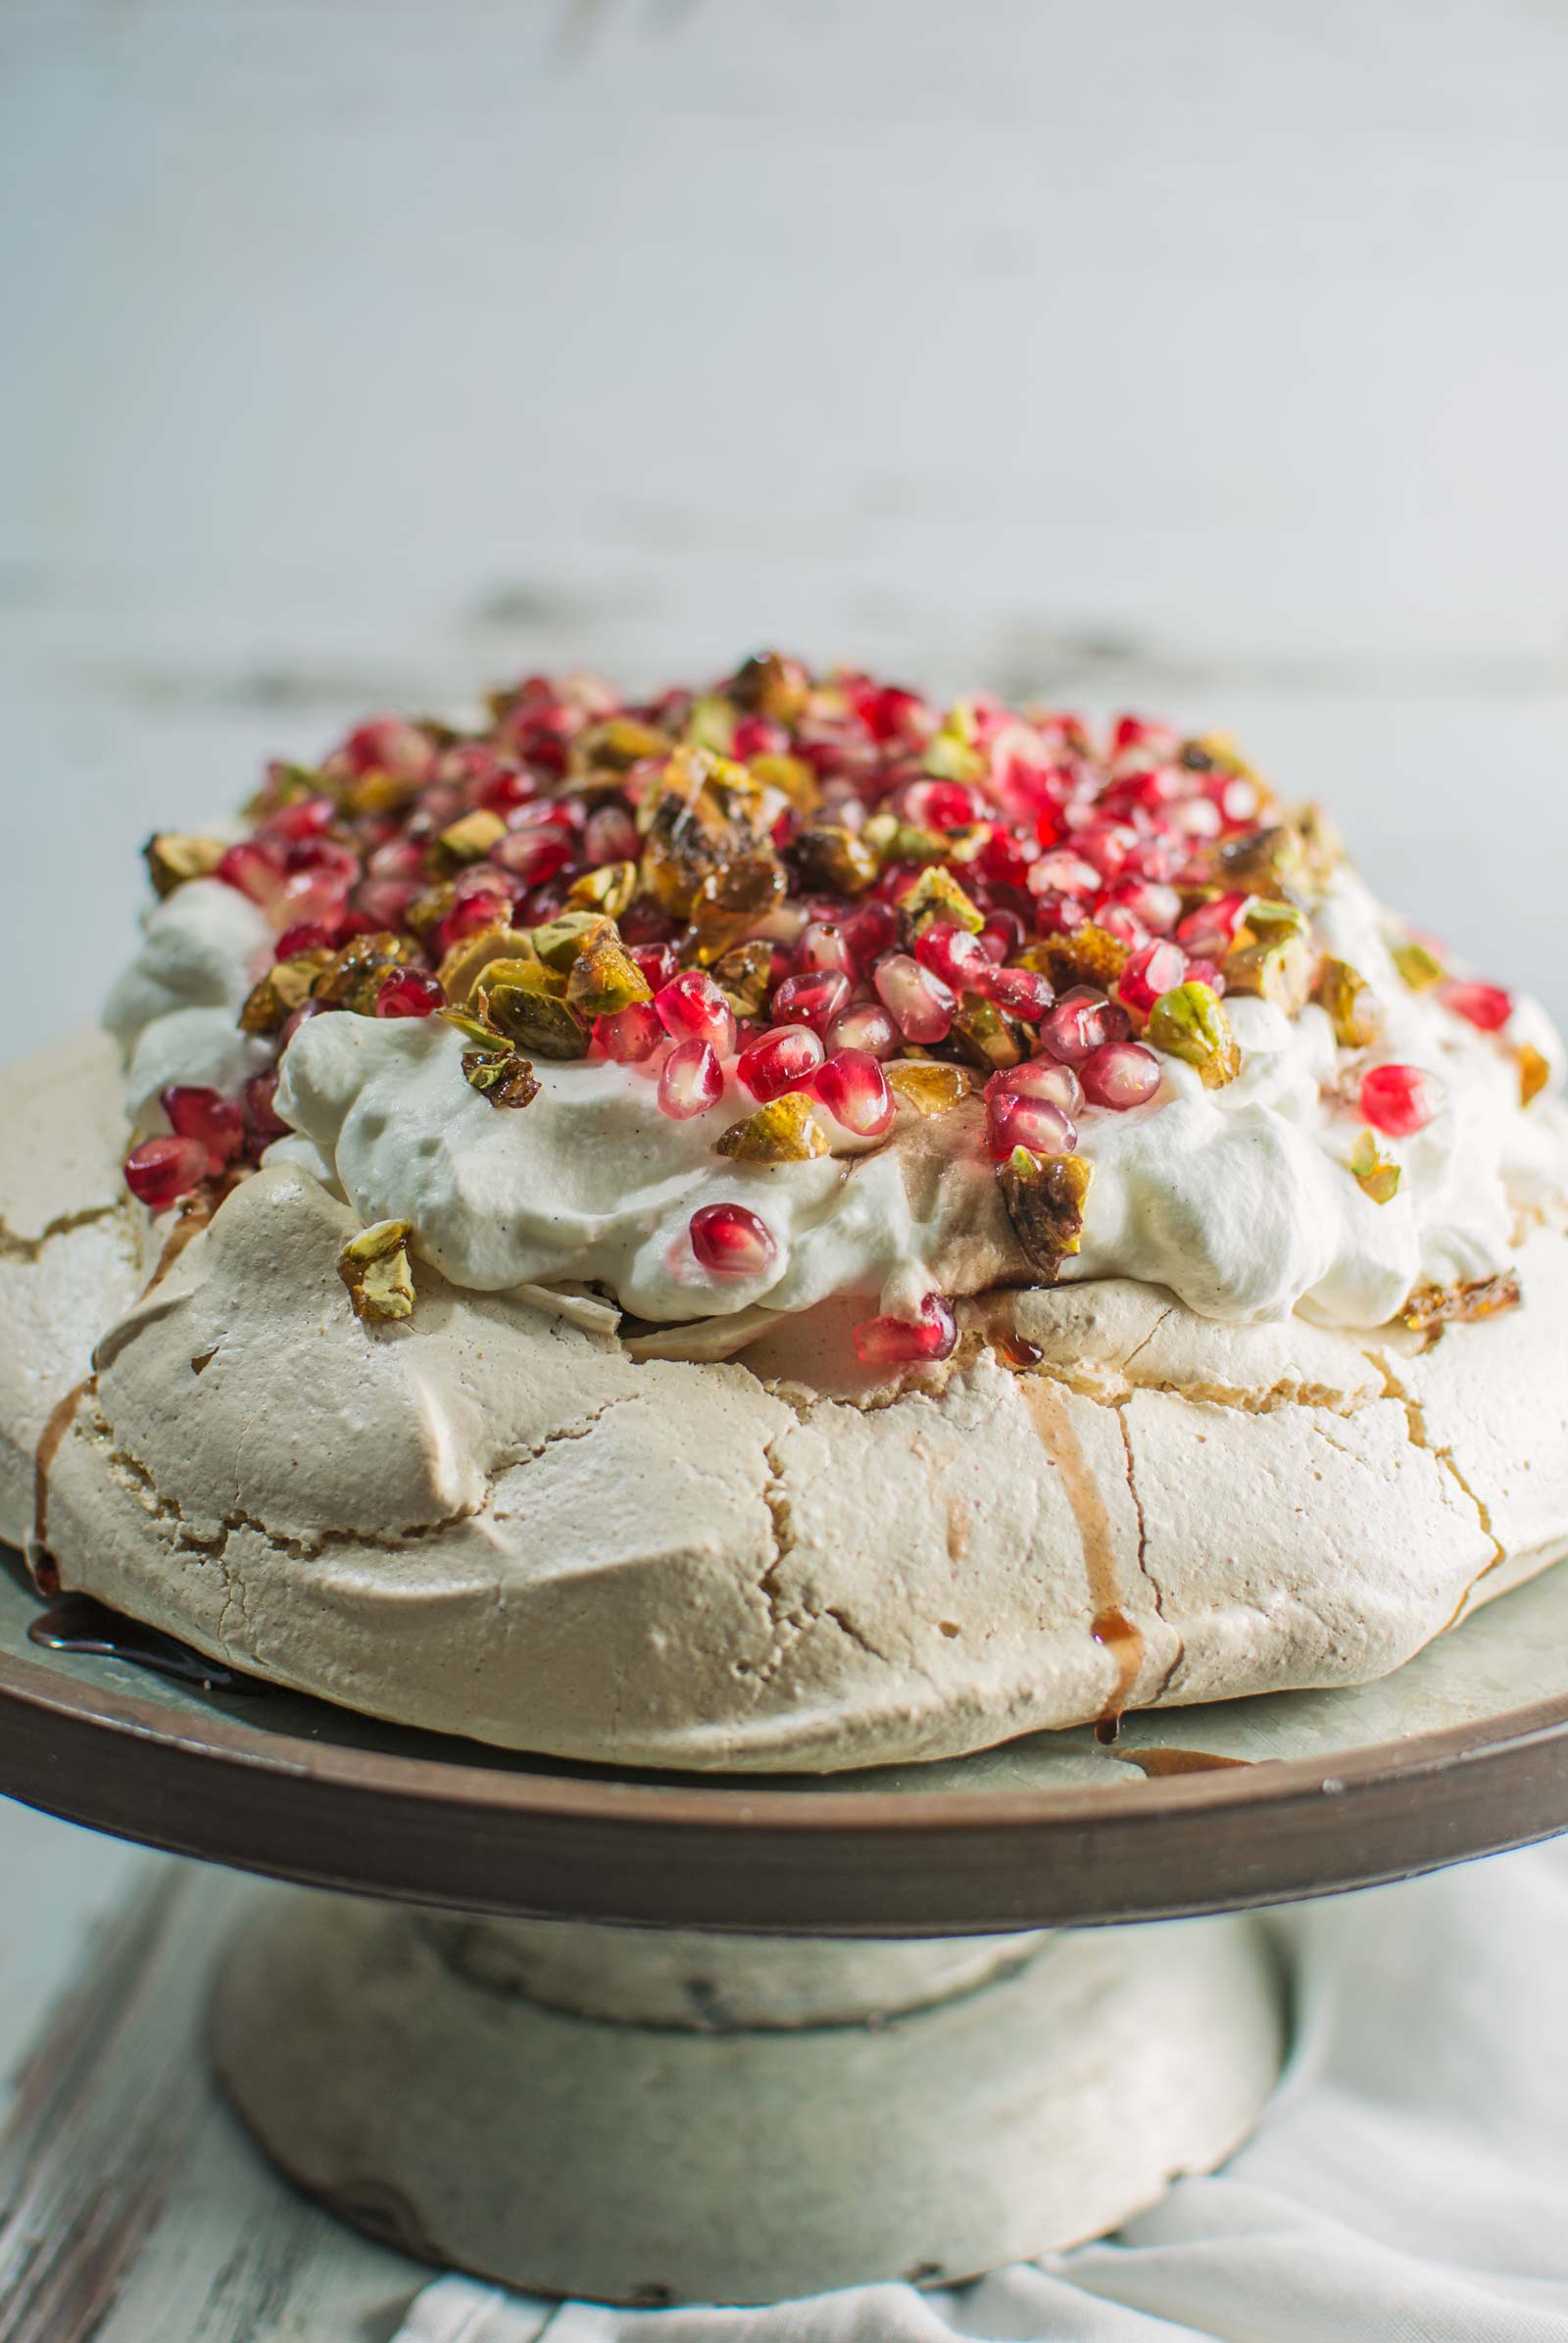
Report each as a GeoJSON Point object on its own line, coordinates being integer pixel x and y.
{"type": "Point", "coordinates": [1240, 1200]}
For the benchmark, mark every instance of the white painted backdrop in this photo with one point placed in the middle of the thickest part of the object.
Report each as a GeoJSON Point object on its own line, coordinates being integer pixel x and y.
{"type": "Point", "coordinates": [1214, 358]}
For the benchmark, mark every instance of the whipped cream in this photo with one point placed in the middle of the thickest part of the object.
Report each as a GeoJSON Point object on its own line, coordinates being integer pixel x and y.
{"type": "Point", "coordinates": [1239, 1201]}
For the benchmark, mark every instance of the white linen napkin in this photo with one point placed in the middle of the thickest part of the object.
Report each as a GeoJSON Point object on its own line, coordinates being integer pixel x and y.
{"type": "Point", "coordinates": [1408, 2184]}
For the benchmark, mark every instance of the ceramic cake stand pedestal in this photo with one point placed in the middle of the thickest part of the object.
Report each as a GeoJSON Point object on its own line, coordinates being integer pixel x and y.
{"type": "Point", "coordinates": [649, 2039]}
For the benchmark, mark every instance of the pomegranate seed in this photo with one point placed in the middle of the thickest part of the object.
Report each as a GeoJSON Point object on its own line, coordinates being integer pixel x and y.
{"type": "Point", "coordinates": [952, 953]}
{"type": "Point", "coordinates": [854, 1089]}
{"type": "Point", "coordinates": [1063, 873]}
{"type": "Point", "coordinates": [1038, 1124]}
{"type": "Point", "coordinates": [399, 859]}
{"type": "Point", "coordinates": [385, 903]}
{"type": "Point", "coordinates": [1207, 972]}
{"type": "Point", "coordinates": [1004, 859]}
{"type": "Point", "coordinates": [1107, 845]}
{"type": "Point", "coordinates": [302, 1016]}
{"type": "Point", "coordinates": [1158, 968]}
{"type": "Point", "coordinates": [757, 736]}
{"type": "Point", "coordinates": [732, 1242]}
{"type": "Point", "coordinates": [1199, 818]}
{"type": "Point", "coordinates": [263, 1122]}
{"type": "Point", "coordinates": [631, 1033]}
{"type": "Point", "coordinates": [388, 745]}
{"type": "Point", "coordinates": [610, 834]}
{"type": "Point", "coordinates": [326, 856]}
{"type": "Point", "coordinates": [658, 963]}
{"type": "Point", "coordinates": [891, 715]}
{"type": "Point", "coordinates": [216, 1123]}
{"type": "Point", "coordinates": [1002, 935]}
{"type": "Point", "coordinates": [1156, 908]}
{"type": "Point", "coordinates": [786, 1058]}
{"type": "Point", "coordinates": [692, 1008]}
{"type": "Point", "coordinates": [1081, 1022]}
{"type": "Point", "coordinates": [160, 1171]}
{"type": "Point", "coordinates": [534, 855]}
{"type": "Point", "coordinates": [1021, 992]}
{"type": "Point", "coordinates": [309, 936]}
{"type": "Point", "coordinates": [869, 931]}
{"type": "Point", "coordinates": [919, 1004]}
{"type": "Point", "coordinates": [863, 1025]}
{"type": "Point", "coordinates": [689, 1080]}
{"type": "Point", "coordinates": [1488, 1006]}
{"type": "Point", "coordinates": [822, 946]}
{"type": "Point", "coordinates": [813, 1000]}
{"type": "Point", "coordinates": [310, 898]}
{"type": "Point", "coordinates": [1399, 1099]}
{"type": "Point", "coordinates": [410, 993]}
{"type": "Point", "coordinates": [898, 1342]}
{"type": "Point", "coordinates": [475, 912]}
{"type": "Point", "coordinates": [253, 868]}
{"type": "Point", "coordinates": [1039, 1078]}
{"type": "Point", "coordinates": [940, 804]}
{"type": "Point", "coordinates": [1210, 930]}
{"type": "Point", "coordinates": [1120, 1074]}
{"type": "Point", "coordinates": [308, 817]}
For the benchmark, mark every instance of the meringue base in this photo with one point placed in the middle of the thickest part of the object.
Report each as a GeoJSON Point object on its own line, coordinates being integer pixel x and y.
{"type": "Point", "coordinates": [497, 1521]}
{"type": "Point", "coordinates": [650, 2119]}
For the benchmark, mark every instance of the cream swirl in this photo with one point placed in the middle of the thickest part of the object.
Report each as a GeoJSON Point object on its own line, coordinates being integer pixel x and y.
{"type": "Point", "coordinates": [1238, 1200]}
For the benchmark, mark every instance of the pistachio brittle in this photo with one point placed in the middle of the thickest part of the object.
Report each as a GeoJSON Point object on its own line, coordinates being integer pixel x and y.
{"type": "Point", "coordinates": [374, 1267]}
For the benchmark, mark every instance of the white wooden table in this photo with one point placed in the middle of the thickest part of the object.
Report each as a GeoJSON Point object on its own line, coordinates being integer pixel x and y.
{"type": "Point", "coordinates": [1209, 359]}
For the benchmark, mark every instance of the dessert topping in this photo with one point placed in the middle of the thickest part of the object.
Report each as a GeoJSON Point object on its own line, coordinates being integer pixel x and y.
{"type": "Point", "coordinates": [374, 1267]}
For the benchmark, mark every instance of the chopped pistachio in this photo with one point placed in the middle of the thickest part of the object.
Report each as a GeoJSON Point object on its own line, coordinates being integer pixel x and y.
{"type": "Point", "coordinates": [504, 1078]}
{"type": "Point", "coordinates": [705, 811]}
{"type": "Point", "coordinates": [790, 776]}
{"type": "Point", "coordinates": [1270, 923]}
{"type": "Point", "coordinates": [353, 978]}
{"type": "Point", "coordinates": [731, 899]}
{"type": "Point", "coordinates": [968, 842]}
{"type": "Point", "coordinates": [951, 754]}
{"type": "Point", "coordinates": [767, 685]}
{"type": "Point", "coordinates": [1420, 967]}
{"type": "Point", "coordinates": [711, 723]}
{"type": "Point", "coordinates": [1320, 849]}
{"type": "Point", "coordinates": [1189, 1022]}
{"type": "Point", "coordinates": [986, 1037]}
{"type": "Point", "coordinates": [895, 841]}
{"type": "Point", "coordinates": [470, 839]}
{"type": "Point", "coordinates": [1535, 1072]}
{"type": "Point", "coordinates": [616, 745]}
{"type": "Point", "coordinates": [374, 1267]}
{"type": "Point", "coordinates": [468, 959]}
{"type": "Point", "coordinates": [937, 896]}
{"type": "Point", "coordinates": [1265, 861]}
{"type": "Point", "coordinates": [608, 889]}
{"type": "Point", "coordinates": [929, 1088]}
{"type": "Point", "coordinates": [524, 999]}
{"type": "Point", "coordinates": [174, 855]}
{"type": "Point", "coordinates": [428, 911]}
{"type": "Point", "coordinates": [1282, 972]}
{"type": "Point", "coordinates": [1431, 1306]}
{"type": "Point", "coordinates": [832, 861]}
{"type": "Point", "coordinates": [559, 940]}
{"type": "Point", "coordinates": [1089, 955]}
{"type": "Point", "coordinates": [784, 1131]}
{"type": "Point", "coordinates": [604, 979]}
{"type": "Point", "coordinates": [744, 975]}
{"type": "Point", "coordinates": [281, 990]}
{"type": "Point", "coordinates": [1377, 1175]}
{"type": "Point", "coordinates": [1045, 1196]}
{"type": "Point", "coordinates": [379, 793]}
{"type": "Point", "coordinates": [1354, 1008]}
{"type": "Point", "coordinates": [472, 1028]}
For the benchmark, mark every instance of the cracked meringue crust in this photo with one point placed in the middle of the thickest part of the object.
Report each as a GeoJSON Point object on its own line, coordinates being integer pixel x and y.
{"type": "Point", "coordinates": [497, 1522]}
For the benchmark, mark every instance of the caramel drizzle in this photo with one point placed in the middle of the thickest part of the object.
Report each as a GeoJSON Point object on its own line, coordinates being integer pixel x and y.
{"type": "Point", "coordinates": [1153, 1764]}
{"type": "Point", "coordinates": [1111, 1625]}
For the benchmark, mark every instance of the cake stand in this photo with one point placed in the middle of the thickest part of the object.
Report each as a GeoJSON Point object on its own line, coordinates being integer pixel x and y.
{"type": "Point", "coordinates": [653, 2039]}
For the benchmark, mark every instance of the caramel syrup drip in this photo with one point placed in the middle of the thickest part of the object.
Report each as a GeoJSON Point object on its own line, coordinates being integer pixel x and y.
{"type": "Point", "coordinates": [1154, 1764]}
{"type": "Point", "coordinates": [1111, 1625]}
